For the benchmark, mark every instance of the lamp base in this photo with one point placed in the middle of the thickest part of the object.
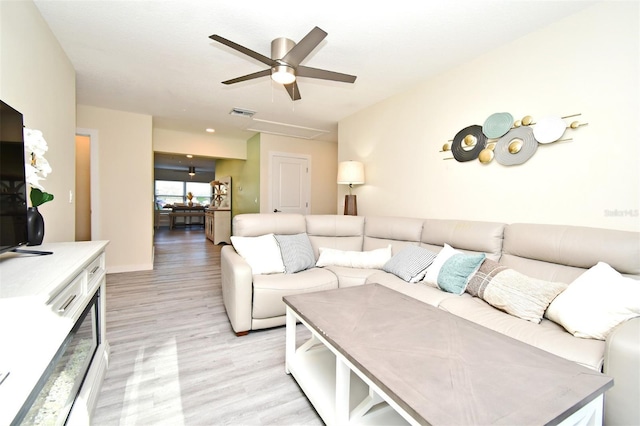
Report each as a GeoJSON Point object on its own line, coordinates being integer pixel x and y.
{"type": "Point", "coordinates": [350, 205]}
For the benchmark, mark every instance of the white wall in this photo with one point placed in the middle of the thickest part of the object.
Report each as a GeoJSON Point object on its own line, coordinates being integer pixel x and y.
{"type": "Point", "coordinates": [205, 144]}
{"type": "Point", "coordinates": [37, 79]}
{"type": "Point", "coordinates": [587, 63]}
{"type": "Point", "coordinates": [324, 169]}
{"type": "Point", "coordinates": [125, 187]}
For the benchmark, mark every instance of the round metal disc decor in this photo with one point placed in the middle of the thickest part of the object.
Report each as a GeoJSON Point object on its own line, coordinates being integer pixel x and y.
{"type": "Point", "coordinates": [461, 140]}
{"type": "Point", "coordinates": [549, 129]}
{"type": "Point", "coordinates": [516, 147]}
{"type": "Point", "coordinates": [497, 125]}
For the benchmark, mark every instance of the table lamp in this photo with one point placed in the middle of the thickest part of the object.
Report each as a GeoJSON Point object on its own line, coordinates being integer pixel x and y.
{"type": "Point", "coordinates": [350, 173]}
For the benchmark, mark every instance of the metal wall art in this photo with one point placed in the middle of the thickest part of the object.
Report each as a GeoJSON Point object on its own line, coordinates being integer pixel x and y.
{"type": "Point", "coordinates": [507, 141]}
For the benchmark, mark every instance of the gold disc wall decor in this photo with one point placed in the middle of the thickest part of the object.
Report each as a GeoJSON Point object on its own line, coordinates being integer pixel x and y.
{"type": "Point", "coordinates": [466, 137]}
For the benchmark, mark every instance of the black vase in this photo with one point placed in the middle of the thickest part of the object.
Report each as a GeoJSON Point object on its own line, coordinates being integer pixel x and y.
{"type": "Point", "coordinates": [35, 227]}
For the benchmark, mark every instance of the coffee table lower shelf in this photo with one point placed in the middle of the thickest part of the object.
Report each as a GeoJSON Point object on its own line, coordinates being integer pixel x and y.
{"type": "Point", "coordinates": [337, 390]}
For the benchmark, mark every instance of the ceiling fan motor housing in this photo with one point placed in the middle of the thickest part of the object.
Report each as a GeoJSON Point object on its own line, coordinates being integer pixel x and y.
{"type": "Point", "coordinates": [280, 47]}
{"type": "Point", "coordinates": [283, 72]}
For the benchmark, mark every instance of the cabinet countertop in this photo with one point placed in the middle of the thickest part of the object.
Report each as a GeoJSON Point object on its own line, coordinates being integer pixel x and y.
{"type": "Point", "coordinates": [30, 331]}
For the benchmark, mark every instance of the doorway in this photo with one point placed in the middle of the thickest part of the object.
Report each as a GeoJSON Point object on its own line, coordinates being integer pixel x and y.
{"type": "Point", "coordinates": [83, 188]}
{"type": "Point", "coordinates": [86, 189]}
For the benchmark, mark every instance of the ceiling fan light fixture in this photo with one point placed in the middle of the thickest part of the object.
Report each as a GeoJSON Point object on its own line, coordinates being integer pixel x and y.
{"type": "Point", "coordinates": [283, 74]}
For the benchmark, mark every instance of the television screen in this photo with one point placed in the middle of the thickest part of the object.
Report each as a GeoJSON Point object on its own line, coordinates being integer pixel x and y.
{"type": "Point", "coordinates": [13, 188]}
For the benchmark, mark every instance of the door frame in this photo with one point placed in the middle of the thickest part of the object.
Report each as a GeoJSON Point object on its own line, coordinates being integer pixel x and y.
{"type": "Point", "coordinates": [271, 172]}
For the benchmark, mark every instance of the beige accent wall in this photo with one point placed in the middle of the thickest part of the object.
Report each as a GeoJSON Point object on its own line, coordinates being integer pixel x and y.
{"type": "Point", "coordinates": [587, 63]}
{"type": "Point", "coordinates": [37, 79]}
{"type": "Point", "coordinates": [204, 144]}
{"type": "Point", "coordinates": [125, 162]}
{"type": "Point", "coordinates": [324, 169]}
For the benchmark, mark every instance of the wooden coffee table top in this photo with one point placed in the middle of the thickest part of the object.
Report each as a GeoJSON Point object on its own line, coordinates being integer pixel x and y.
{"type": "Point", "coordinates": [443, 369]}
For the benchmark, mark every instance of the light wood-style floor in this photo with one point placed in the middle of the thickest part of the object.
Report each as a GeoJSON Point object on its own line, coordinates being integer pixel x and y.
{"type": "Point", "coordinates": [174, 358]}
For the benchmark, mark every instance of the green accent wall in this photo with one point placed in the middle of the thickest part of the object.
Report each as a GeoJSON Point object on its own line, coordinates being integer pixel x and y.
{"type": "Point", "coordinates": [245, 179]}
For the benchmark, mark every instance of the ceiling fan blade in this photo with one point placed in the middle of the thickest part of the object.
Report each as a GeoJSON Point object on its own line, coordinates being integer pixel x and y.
{"type": "Point", "coordinates": [303, 71]}
{"type": "Point", "coordinates": [304, 47]}
{"type": "Point", "coordinates": [293, 91]}
{"type": "Point", "coordinates": [242, 49]}
{"type": "Point", "coordinates": [251, 76]}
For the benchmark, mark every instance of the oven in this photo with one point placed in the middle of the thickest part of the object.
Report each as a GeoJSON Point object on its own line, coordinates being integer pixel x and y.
{"type": "Point", "coordinates": [53, 397]}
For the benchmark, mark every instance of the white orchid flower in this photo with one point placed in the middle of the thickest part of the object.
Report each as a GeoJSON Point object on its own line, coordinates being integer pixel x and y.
{"type": "Point", "coordinates": [36, 166]}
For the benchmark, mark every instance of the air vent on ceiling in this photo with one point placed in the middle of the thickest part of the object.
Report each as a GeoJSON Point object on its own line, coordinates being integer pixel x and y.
{"type": "Point", "coordinates": [242, 112]}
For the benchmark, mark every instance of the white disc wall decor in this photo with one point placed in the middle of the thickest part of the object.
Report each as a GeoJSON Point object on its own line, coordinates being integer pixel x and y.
{"type": "Point", "coordinates": [549, 129]}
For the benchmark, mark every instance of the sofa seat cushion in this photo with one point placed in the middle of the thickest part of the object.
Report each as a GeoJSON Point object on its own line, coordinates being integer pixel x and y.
{"type": "Point", "coordinates": [547, 335]}
{"type": "Point", "coordinates": [349, 277]}
{"type": "Point", "coordinates": [268, 290]}
{"type": "Point", "coordinates": [420, 290]}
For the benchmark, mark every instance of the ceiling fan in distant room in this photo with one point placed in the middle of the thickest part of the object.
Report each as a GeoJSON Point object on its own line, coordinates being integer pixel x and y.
{"type": "Point", "coordinates": [284, 64]}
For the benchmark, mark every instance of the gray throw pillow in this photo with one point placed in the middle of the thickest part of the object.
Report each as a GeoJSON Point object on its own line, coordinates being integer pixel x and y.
{"type": "Point", "coordinates": [410, 263]}
{"type": "Point", "coordinates": [297, 253]}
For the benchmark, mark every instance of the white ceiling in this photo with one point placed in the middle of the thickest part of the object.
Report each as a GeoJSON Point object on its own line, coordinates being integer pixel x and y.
{"type": "Point", "coordinates": [156, 57]}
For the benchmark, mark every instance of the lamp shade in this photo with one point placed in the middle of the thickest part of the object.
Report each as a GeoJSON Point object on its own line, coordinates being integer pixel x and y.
{"type": "Point", "coordinates": [192, 171]}
{"type": "Point", "coordinates": [350, 173]}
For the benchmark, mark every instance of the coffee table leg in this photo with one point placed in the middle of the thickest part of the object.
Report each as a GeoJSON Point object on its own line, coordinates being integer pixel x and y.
{"type": "Point", "coordinates": [290, 342]}
{"type": "Point", "coordinates": [343, 384]}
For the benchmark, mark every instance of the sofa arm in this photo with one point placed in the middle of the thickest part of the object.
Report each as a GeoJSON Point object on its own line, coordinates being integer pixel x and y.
{"type": "Point", "coordinates": [237, 288]}
{"type": "Point", "coordinates": [622, 362]}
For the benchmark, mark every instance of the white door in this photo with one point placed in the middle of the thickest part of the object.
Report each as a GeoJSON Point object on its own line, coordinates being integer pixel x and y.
{"type": "Point", "coordinates": [290, 183]}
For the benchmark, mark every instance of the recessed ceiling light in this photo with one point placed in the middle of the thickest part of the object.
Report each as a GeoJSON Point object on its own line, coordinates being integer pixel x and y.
{"type": "Point", "coordinates": [189, 156]}
{"type": "Point", "coordinates": [210, 130]}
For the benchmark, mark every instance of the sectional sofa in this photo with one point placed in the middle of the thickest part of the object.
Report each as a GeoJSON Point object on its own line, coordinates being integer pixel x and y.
{"type": "Point", "coordinates": [355, 250]}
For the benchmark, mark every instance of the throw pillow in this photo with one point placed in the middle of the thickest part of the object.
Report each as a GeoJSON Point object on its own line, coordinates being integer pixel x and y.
{"type": "Point", "coordinates": [520, 295]}
{"type": "Point", "coordinates": [410, 263]}
{"type": "Point", "coordinates": [481, 279]}
{"type": "Point", "coordinates": [261, 253]}
{"type": "Point", "coordinates": [431, 275]}
{"type": "Point", "coordinates": [596, 302]}
{"type": "Point", "coordinates": [373, 259]}
{"type": "Point", "coordinates": [297, 253]}
{"type": "Point", "coordinates": [457, 270]}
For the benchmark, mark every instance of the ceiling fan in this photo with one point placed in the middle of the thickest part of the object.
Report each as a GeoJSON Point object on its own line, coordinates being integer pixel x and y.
{"type": "Point", "coordinates": [284, 64]}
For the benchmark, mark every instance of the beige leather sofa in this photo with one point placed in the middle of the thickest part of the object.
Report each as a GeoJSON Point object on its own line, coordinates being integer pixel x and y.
{"type": "Point", "coordinates": [549, 252]}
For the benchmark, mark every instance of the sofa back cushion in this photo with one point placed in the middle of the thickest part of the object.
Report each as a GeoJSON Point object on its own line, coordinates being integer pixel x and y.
{"type": "Point", "coordinates": [380, 231]}
{"type": "Point", "coordinates": [335, 232]}
{"type": "Point", "coordinates": [256, 224]}
{"type": "Point", "coordinates": [562, 253]}
{"type": "Point", "coordinates": [464, 235]}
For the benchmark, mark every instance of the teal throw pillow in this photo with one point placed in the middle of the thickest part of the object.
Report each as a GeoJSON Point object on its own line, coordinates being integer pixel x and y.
{"type": "Point", "coordinates": [458, 270]}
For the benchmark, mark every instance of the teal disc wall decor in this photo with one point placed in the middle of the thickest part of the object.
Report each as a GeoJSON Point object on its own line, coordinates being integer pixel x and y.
{"type": "Point", "coordinates": [497, 125]}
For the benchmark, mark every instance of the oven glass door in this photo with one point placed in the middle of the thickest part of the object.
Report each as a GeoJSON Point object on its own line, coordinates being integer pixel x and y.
{"type": "Point", "coordinates": [51, 402]}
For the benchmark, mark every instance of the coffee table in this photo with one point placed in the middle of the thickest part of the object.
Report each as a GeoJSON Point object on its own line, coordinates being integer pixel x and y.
{"type": "Point", "coordinates": [377, 356]}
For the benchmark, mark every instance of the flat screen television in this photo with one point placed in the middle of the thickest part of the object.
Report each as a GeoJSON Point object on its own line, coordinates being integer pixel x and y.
{"type": "Point", "coordinates": [13, 187]}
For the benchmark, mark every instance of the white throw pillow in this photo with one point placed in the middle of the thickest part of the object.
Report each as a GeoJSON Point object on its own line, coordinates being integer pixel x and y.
{"type": "Point", "coordinates": [372, 259]}
{"type": "Point", "coordinates": [261, 253]}
{"type": "Point", "coordinates": [596, 302]}
{"type": "Point", "coordinates": [432, 271]}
